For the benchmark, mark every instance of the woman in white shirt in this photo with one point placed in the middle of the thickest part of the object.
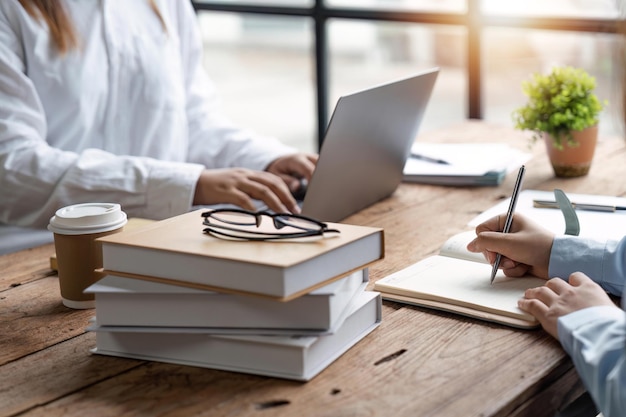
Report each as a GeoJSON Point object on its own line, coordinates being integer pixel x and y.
{"type": "Point", "coordinates": [106, 100]}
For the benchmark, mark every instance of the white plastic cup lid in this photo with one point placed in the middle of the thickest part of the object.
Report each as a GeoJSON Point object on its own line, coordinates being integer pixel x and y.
{"type": "Point", "coordinates": [80, 219]}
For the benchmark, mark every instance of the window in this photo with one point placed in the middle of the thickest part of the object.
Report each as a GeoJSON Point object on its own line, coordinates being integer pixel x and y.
{"type": "Point", "coordinates": [262, 67]}
{"type": "Point", "coordinates": [281, 65]}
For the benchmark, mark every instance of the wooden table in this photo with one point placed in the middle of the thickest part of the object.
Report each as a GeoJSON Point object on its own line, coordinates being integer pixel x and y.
{"type": "Point", "coordinates": [417, 363]}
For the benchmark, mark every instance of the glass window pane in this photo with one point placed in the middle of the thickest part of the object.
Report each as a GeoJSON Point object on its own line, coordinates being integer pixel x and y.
{"type": "Point", "coordinates": [262, 67]}
{"type": "Point", "coordinates": [512, 55]}
{"type": "Point", "coordinates": [447, 6]}
{"type": "Point", "coordinates": [561, 8]}
{"type": "Point", "coordinates": [364, 54]}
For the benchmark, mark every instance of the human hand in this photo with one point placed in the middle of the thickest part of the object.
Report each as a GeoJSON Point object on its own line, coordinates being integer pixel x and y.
{"type": "Point", "coordinates": [240, 185]}
{"type": "Point", "coordinates": [525, 249]}
{"type": "Point", "coordinates": [292, 168]}
{"type": "Point", "coordinates": [558, 298]}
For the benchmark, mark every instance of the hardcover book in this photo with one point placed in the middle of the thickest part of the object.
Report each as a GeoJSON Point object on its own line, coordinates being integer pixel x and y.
{"type": "Point", "coordinates": [298, 358]}
{"type": "Point", "coordinates": [176, 251]}
{"type": "Point", "coordinates": [129, 302]}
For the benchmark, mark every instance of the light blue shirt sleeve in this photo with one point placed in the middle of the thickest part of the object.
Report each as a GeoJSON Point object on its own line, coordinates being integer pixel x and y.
{"type": "Point", "coordinates": [604, 262]}
{"type": "Point", "coordinates": [595, 337]}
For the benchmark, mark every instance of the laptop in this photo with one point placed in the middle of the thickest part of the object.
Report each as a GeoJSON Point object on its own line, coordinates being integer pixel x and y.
{"type": "Point", "coordinates": [365, 147]}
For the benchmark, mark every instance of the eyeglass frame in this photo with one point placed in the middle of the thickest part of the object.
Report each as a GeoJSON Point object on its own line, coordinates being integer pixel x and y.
{"type": "Point", "coordinates": [323, 227]}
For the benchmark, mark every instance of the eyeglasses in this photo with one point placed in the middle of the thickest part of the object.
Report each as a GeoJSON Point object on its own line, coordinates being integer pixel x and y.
{"type": "Point", "coordinates": [248, 225]}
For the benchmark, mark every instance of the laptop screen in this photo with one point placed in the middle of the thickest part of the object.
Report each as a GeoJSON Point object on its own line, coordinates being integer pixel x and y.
{"type": "Point", "coordinates": [366, 145]}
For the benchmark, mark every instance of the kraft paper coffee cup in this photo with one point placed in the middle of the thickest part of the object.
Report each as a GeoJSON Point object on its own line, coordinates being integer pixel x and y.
{"type": "Point", "coordinates": [78, 254]}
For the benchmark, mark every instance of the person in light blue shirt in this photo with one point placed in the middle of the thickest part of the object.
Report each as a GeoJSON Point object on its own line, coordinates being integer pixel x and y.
{"type": "Point", "coordinates": [573, 305]}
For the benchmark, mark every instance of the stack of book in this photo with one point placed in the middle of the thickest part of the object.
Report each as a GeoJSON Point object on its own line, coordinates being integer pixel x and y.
{"type": "Point", "coordinates": [288, 309]}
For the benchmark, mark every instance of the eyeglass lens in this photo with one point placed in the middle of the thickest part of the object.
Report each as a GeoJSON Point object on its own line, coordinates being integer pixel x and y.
{"type": "Point", "coordinates": [280, 221]}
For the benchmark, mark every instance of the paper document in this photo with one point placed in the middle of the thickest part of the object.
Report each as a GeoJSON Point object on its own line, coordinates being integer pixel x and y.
{"type": "Point", "coordinates": [593, 224]}
{"type": "Point", "coordinates": [462, 163]}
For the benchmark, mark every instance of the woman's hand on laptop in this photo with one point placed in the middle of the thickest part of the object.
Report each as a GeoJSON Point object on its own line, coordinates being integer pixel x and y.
{"type": "Point", "coordinates": [293, 168]}
{"type": "Point", "coordinates": [239, 186]}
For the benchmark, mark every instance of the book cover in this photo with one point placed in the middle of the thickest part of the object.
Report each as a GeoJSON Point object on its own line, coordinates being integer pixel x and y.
{"type": "Point", "coordinates": [129, 302]}
{"type": "Point", "coordinates": [176, 251]}
{"type": "Point", "coordinates": [297, 358]}
{"type": "Point", "coordinates": [458, 281]}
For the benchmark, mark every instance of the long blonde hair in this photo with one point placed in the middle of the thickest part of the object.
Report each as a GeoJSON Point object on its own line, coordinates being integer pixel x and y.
{"type": "Point", "coordinates": [61, 28]}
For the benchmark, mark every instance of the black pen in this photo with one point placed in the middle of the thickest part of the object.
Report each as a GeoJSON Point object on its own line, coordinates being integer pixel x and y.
{"type": "Point", "coordinates": [509, 217]}
{"type": "Point", "coordinates": [429, 159]}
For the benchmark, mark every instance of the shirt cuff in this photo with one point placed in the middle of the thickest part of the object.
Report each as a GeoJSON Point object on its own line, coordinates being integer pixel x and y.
{"type": "Point", "coordinates": [582, 326]}
{"type": "Point", "coordinates": [572, 254]}
{"type": "Point", "coordinates": [171, 187]}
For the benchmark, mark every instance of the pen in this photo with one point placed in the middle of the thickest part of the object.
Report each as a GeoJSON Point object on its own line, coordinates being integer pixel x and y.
{"type": "Point", "coordinates": [579, 206]}
{"type": "Point", "coordinates": [509, 217]}
{"type": "Point", "coordinates": [429, 159]}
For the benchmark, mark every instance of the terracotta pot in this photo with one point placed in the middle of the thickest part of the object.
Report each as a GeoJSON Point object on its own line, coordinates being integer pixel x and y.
{"type": "Point", "coordinates": [573, 161]}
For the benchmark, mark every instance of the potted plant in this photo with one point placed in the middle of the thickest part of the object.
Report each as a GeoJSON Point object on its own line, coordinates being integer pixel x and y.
{"type": "Point", "coordinates": [563, 110]}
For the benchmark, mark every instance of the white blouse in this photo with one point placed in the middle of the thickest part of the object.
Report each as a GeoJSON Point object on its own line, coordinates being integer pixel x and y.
{"type": "Point", "coordinates": [128, 117]}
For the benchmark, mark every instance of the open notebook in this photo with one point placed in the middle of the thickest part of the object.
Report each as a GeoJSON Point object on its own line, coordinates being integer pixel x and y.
{"type": "Point", "coordinates": [457, 281]}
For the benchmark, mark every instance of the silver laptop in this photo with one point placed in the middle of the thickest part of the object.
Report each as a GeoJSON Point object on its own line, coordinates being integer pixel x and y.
{"type": "Point", "coordinates": [366, 145]}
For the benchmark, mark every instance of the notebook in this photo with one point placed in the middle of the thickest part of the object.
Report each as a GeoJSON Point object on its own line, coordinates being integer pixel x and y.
{"type": "Point", "coordinates": [366, 145]}
{"type": "Point", "coordinates": [462, 164]}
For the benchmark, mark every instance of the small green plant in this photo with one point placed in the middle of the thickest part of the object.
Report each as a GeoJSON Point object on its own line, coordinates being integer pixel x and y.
{"type": "Point", "coordinates": [559, 103]}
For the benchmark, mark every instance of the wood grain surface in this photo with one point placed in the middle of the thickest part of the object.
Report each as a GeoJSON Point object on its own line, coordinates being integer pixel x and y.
{"type": "Point", "coordinates": [417, 363]}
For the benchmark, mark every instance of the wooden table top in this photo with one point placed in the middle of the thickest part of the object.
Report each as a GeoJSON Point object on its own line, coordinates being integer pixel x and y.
{"type": "Point", "coordinates": [419, 362]}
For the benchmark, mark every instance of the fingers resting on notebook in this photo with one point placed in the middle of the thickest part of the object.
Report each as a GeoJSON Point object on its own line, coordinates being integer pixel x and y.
{"type": "Point", "coordinates": [558, 298]}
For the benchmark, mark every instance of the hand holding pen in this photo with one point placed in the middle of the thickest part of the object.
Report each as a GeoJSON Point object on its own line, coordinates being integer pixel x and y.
{"type": "Point", "coordinates": [524, 251]}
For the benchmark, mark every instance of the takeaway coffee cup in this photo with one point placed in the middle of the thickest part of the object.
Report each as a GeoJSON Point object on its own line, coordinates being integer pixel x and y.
{"type": "Point", "coordinates": [76, 229]}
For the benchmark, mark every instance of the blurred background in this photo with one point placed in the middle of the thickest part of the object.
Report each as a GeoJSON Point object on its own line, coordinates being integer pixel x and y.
{"type": "Point", "coordinates": [281, 65]}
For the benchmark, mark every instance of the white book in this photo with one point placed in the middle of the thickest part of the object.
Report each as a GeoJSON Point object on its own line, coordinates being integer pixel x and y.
{"type": "Point", "coordinates": [122, 301]}
{"type": "Point", "coordinates": [299, 358]}
{"type": "Point", "coordinates": [176, 251]}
